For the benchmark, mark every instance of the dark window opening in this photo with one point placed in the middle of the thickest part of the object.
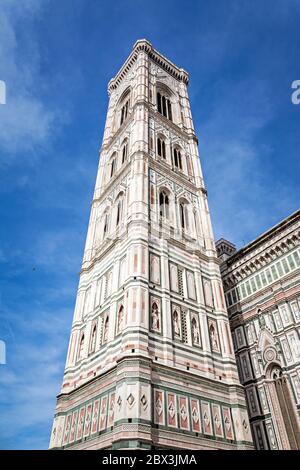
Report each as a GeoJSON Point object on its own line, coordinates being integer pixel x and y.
{"type": "Point", "coordinates": [164, 106]}
{"type": "Point", "coordinates": [177, 158]}
{"type": "Point", "coordinates": [164, 204]}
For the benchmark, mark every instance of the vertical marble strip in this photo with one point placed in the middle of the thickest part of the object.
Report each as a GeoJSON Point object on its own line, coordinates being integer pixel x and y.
{"type": "Point", "coordinates": [95, 415]}
{"type": "Point", "coordinates": [172, 410]}
{"type": "Point", "coordinates": [73, 427]}
{"type": "Point", "coordinates": [159, 407]}
{"type": "Point", "coordinates": [80, 423]}
{"type": "Point", "coordinates": [67, 429]}
{"type": "Point", "coordinates": [227, 423]}
{"type": "Point", "coordinates": [103, 413]}
{"type": "Point", "coordinates": [134, 301]}
{"type": "Point", "coordinates": [206, 418]}
{"type": "Point", "coordinates": [217, 419]}
{"type": "Point", "coordinates": [111, 410]}
{"type": "Point", "coordinates": [183, 413]}
{"type": "Point", "coordinates": [88, 420]}
{"type": "Point", "coordinates": [195, 415]}
{"type": "Point", "coordinates": [143, 307]}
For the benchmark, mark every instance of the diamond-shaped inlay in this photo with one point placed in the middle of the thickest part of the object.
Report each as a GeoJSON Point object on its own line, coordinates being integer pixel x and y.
{"type": "Point", "coordinates": [183, 412]}
{"type": "Point", "coordinates": [227, 423]}
{"type": "Point", "coordinates": [144, 401]}
{"type": "Point", "coordinates": [217, 421]}
{"type": "Point", "coordinates": [171, 409]}
{"type": "Point", "coordinates": [158, 406]}
{"type": "Point", "coordinates": [119, 402]}
{"type": "Point", "coordinates": [130, 399]}
{"type": "Point", "coordinates": [195, 415]}
{"type": "Point", "coordinates": [206, 418]}
{"type": "Point", "coordinates": [245, 424]}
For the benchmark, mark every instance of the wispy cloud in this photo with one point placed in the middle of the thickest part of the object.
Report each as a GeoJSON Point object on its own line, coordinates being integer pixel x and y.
{"type": "Point", "coordinates": [26, 122]}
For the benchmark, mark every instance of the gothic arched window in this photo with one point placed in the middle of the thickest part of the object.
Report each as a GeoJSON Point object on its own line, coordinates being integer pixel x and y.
{"type": "Point", "coordinates": [113, 167]}
{"type": "Point", "coordinates": [177, 158]}
{"type": "Point", "coordinates": [119, 211]}
{"type": "Point", "coordinates": [93, 339]}
{"type": "Point", "coordinates": [124, 152]}
{"type": "Point", "coordinates": [163, 204]}
{"type": "Point", "coordinates": [105, 225]}
{"type": "Point", "coordinates": [124, 112]}
{"type": "Point", "coordinates": [121, 319]}
{"type": "Point", "coordinates": [161, 147]}
{"type": "Point", "coordinates": [164, 106]}
{"type": "Point", "coordinates": [105, 329]}
{"type": "Point", "coordinates": [183, 215]}
{"type": "Point", "coordinates": [81, 347]}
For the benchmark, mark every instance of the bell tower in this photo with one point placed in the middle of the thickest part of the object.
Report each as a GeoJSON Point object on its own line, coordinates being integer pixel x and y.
{"type": "Point", "coordinates": [150, 361]}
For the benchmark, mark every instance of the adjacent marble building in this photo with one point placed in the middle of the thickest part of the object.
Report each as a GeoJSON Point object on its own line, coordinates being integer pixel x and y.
{"type": "Point", "coordinates": [150, 361]}
{"type": "Point", "coordinates": [262, 290]}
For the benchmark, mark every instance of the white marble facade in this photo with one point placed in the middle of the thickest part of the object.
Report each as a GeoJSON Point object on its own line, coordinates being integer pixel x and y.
{"type": "Point", "coordinates": [150, 313]}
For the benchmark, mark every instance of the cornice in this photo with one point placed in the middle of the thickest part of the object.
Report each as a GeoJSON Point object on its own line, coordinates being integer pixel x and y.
{"type": "Point", "coordinates": [263, 240]}
{"type": "Point", "coordinates": [142, 45]}
{"type": "Point", "coordinates": [245, 312]}
{"type": "Point", "coordinates": [242, 265]}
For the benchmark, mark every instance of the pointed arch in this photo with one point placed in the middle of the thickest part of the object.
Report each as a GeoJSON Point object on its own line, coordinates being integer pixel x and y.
{"type": "Point", "coordinates": [93, 338]}
{"type": "Point", "coordinates": [167, 103]}
{"type": "Point", "coordinates": [119, 208]}
{"type": "Point", "coordinates": [120, 318]}
{"type": "Point", "coordinates": [183, 214]}
{"type": "Point", "coordinates": [164, 203]}
{"type": "Point", "coordinates": [177, 157]}
{"type": "Point", "coordinates": [81, 346]}
{"type": "Point", "coordinates": [113, 164]}
{"type": "Point", "coordinates": [124, 151]}
{"type": "Point", "coordinates": [161, 146]}
{"type": "Point", "coordinates": [105, 329]}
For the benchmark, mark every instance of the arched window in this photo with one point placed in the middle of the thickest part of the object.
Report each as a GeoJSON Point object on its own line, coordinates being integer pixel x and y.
{"type": "Point", "coordinates": [105, 225]}
{"type": "Point", "coordinates": [113, 167]}
{"type": "Point", "coordinates": [161, 147]}
{"type": "Point", "coordinates": [93, 339]}
{"type": "Point", "coordinates": [124, 152]}
{"type": "Point", "coordinates": [163, 204]}
{"type": "Point", "coordinates": [120, 324]}
{"type": "Point", "coordinates": [81, 347]}
{"type": "Point", "coordinates": [164, 106]}
{"type": "Point", "coordinates": [105, 330]}
{"type": "Point", "coordinates": [119, 208]}
{"type": "Point", "coordinates": [119, 212]}
{"type": "Point", "coordinates": [124, 112]}
{"type": "Point", "coordinates": [177, 158]}
{"type": "Point", "coordinates": [183, 215]}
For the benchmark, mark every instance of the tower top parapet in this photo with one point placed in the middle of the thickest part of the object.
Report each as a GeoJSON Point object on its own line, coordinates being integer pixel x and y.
{"type": "Point", "coordinates": [143, 45]}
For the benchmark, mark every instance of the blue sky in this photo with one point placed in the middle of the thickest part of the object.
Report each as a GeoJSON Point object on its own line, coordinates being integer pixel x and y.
{"type": "Point", "coordinates": [56, 58]}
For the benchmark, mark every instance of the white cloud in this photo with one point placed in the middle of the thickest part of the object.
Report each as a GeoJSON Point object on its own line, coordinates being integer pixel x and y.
{"type": "Point", "coordinates": [26, 123]}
